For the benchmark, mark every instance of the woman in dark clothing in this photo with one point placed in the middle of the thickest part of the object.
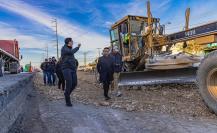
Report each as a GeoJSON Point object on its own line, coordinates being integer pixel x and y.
{"type": "Point", "coordinates": [61, 82]}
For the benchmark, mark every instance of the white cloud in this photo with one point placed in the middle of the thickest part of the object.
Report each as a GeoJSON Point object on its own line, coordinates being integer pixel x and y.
{"type": "Point", "coordinates": [201, 13]}
{"type": "Point", "coordinates": [138, 7]}
{"type": "Point", "coordinates": [89, 39]}
{"type": "Point", "coordinates": [25, 41]}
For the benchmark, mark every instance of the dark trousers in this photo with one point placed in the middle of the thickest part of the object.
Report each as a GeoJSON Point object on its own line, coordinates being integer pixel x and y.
{"type": "Point", "coordinates": [45, 77]}
{"type": "Point", "coordinates": [106, 88]}
{"type": "Point", "coordinates": [1, 73]}
{"type": "Point", "coordinates": [61, 80]}
{"type": "Point", "coordinates": [70, 77]}
{"type": "Point", "coordinates": [49, 80]}
{"type": "Point", "coordinates": [53, 77]}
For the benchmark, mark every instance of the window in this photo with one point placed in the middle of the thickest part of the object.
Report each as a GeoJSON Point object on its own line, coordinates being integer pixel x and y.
{"type": "Point", "coordinates": [137, 27]}
{"type": "Point", "coordinates": [114, 35]}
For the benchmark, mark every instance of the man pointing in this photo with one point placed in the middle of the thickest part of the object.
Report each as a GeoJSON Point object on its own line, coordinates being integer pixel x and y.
{"type": "Point", "coordinates": [69, 68]}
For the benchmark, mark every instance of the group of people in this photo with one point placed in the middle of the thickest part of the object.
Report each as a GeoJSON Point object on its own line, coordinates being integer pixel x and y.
{"type": "Point", "coordinates": [109, 66]}
{"type": "Point", "coordinates": [48, 68]}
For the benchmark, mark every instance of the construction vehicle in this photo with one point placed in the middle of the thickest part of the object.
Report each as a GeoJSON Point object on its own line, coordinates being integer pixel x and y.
{"type": "Point", "coordinates": [152, 57]}
{"type": "Point", "coordinates": [9, 54]}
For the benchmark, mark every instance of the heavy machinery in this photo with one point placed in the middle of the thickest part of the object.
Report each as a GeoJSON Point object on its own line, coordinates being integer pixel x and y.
{"type": "Point", "coordinates": [9, 54]}
{"type": "Point", "coordinates": [152, 57]}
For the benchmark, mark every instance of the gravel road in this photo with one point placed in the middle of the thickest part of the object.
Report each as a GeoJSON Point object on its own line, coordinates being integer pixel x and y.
{"type": "Point", "coordinates": [47, 112]}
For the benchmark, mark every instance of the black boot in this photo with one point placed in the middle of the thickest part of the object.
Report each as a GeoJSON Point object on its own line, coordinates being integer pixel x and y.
{"type": "Point", "coordinates": [107, 98]}
{"type": "Point", "coordinates": [68, 101]}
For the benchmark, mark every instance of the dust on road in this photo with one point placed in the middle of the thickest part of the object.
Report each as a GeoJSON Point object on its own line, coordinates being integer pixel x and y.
{"type": "Point", "coordinates": [130, 113]}
{"type": "Point", "coordinates": [175, 99]}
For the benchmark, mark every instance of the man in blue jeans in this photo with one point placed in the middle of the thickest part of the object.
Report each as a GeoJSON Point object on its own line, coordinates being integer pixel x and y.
{"type": "Point", "coordinates": [49, 72]}
{"type": "Point", "coordinates": [52, 71]}
{"type": "Point", "coordinates": [44, 68]}
{"type": "Point", "coordinates": [69, 68]}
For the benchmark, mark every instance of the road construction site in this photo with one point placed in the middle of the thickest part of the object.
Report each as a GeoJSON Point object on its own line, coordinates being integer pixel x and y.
{"type": "Point", "coordinates": [168, 83]}
{"type": "Point", "coordinates": [157, 109]}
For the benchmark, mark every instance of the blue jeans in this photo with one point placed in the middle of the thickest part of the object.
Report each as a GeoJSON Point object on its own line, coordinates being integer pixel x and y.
{"type": "Point", "coordinates": [45, 77]}
{"type": "Point", "coordinates": [49, 78]}
{"type": "Point", "coordinates": [53, 77]}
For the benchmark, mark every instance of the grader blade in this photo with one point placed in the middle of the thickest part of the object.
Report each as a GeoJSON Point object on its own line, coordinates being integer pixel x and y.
{"type": "Point", "coordinates": [186, 75]}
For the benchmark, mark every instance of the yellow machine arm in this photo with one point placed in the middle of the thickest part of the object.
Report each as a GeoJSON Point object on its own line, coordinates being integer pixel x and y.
{"type": "Point", "coordinates": [150, 37]}
{"type": "Point", "coordinates": [187, 16]}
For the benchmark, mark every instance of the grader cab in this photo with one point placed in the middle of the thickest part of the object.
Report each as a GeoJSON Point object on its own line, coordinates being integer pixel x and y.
{"type": "Point", "coordinates": [152, 57]}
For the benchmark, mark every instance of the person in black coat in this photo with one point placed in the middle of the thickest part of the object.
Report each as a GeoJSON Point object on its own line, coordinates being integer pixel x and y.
{"type": "Point", "coordinates": [44, 68]}
{"type": "Point", "coordinates": [105, 69]}
{"type": "Point", "coordinates": [53, 67]}
{"type": "Point", "coordinates": [118, 64]}
{"type": "Point", "coordinates": [69, 68]}
{"type": "Point", "coordinates": [49, 71]}
{"type": "Point", "coordinates": [61, 80]}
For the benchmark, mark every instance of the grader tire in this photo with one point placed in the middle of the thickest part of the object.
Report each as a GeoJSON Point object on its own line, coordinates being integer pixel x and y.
{"type": "Point", "coordinates": [207, 80]}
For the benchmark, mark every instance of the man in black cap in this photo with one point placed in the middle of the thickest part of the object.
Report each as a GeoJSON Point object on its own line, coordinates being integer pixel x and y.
{"type": "Point", "coordinates": [69, 68]}
{"type": "Point", "coordinates": [106, 70]}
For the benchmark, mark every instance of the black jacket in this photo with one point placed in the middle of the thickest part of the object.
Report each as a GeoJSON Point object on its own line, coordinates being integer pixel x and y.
{"type": "Point", "coordinates": [68, 59]}
{"type": "Point", "coordinates": [118, 64]}
{"type": "Point", "coordinates": [51, 66]}
{"type": "Point", "coordinates": [44, 66]}
{"type": "Point", "coordinates": [58, 67]}
{"type": "Point", "coordinates": [105, 68]}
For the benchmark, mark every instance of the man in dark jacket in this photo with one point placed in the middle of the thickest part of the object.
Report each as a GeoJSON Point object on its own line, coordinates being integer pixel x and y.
{"type": "Point", "coordinates": [49, 71]}
{"type": "Point", "coordinates": [105, 69]}
{"type": "Point", "coordinates": [44, 68]}
{"type": "Point", "coordinates": [118, 64]}
{"type": "Point", "coordinates": [53, 66]}
{"type": "Point", "coordinates": [69, 68]}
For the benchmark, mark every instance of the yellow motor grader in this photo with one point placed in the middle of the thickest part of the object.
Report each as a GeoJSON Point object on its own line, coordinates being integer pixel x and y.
{"type": "Point", "coordinates": [152, 57]}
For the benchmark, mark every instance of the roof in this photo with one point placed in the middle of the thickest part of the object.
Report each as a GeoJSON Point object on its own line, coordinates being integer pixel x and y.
{"type": "Point", "coordinates": [8, 54]}
{"type": "Point", "coordinates": [131, 17]}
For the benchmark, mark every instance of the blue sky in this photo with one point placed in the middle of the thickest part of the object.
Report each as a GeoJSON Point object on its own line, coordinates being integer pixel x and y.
{"type": "Point", "coordinates": [87, 21]}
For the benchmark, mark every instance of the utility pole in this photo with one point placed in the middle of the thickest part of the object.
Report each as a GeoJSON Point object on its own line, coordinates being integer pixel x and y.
{"type": "Point", "coordinates": [56, 33]}
{"type": "Point", "coordinates": [98, 51]}
{"type": "Point", "coordinates": [47, 50]}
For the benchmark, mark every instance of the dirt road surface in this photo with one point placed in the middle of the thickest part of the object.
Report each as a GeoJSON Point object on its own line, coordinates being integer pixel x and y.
{"type": "Point", "coordinates": [137, 111]}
